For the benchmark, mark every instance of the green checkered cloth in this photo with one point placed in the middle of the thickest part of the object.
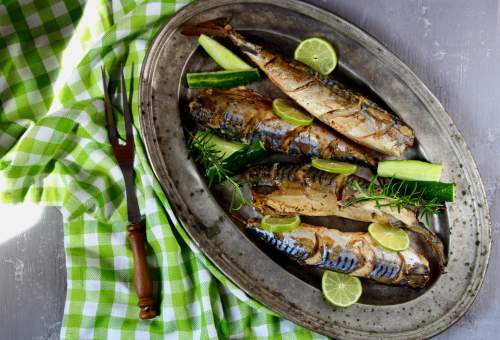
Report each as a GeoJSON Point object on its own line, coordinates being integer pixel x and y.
{"type": "Point", "coordinates": [54, 150]}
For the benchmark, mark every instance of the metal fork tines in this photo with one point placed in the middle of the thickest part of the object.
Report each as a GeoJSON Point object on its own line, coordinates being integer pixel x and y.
{"type": "Point", "coordinates": [124, 154]}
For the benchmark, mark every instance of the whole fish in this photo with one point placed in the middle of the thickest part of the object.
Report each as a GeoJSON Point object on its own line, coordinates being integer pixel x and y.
{"type": "Point", "coordinates": [353, 253]}
{"type": "Point", "coordinates": [242, 114]}
{"type": "Point", "coordinates": [347, 112]}
{"type": "Point", "coordinates": [299, 189]}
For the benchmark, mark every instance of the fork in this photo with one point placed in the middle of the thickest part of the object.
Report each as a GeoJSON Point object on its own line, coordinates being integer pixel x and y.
{"type": "Point", "coordinates": [124, 154]}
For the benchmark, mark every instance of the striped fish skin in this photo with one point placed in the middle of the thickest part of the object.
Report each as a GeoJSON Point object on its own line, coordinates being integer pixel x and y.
{"type": "Point", "coordinates": [299, 189]}
{"type": "Point", "coordinates": [286, 244]}
{"type": "Point", "coordinates": [244, 115]}
{"type": "Point", "coordinates": [351, 253]}
{"type": "Point", "coordinates": [347, 112]}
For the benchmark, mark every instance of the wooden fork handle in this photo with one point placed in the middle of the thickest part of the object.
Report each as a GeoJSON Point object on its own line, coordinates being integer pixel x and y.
{"type": "Point", "coordinates": [142, 280]}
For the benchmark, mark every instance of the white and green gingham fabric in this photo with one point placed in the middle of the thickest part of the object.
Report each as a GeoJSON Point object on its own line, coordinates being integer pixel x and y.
{"type": "Point", "coordinates": [54, 150]}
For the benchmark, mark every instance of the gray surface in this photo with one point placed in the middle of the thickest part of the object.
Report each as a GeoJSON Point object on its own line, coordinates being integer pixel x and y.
{"type": "Point", "coordinates": [452, 45]}
{"type": "Point", "coordinates": [32, 278]}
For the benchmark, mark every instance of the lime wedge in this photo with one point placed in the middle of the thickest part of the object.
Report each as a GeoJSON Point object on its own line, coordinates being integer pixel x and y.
{"type": "Point", "coordinates": [288, 111]}
{"type": "Point", "coordinates": [279, 224]}
{"type": "Point", "coordinates": [318, 54]}
{"type": "Point", "coordinates": [390, 237]}
{"type": "Point", "coordinates": [341, 290]}
{"type": "Point", "coordinates": [333, 166]}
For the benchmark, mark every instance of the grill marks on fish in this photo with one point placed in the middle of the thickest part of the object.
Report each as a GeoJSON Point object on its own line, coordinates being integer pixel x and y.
{"type": "Point", "coordinates": [347, 252]}
{"type": "Point", "coordinates": [347, 112]}
{"type": "Point", "coordinates": [350, 114]}
{"type": "Point", "coordinates": [244, 115]}
{"type": "Point", "coordinates": [299, 189]}
{"type": "Point", "coordinates": [287, 189]}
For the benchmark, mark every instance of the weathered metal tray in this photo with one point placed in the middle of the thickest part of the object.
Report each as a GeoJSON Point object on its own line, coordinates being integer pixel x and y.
{"type": "Point", "coordinates": [384, 312]}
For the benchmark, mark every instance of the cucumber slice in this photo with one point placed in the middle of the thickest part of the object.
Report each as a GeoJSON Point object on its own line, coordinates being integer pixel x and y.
{"type": "Point", "coordinates": [244, 158]}
{"type": "Point", "coordinates": [238, 161]}
{"type": "Point", "coordinates": [226, 148]}
{"type": "Point", "coordinates": [221, 79]}
{"type": "Point", "coordinates": [439, 191]}
{"type": "Point", "coordinates": [221, 55]}
{"type": "Point", "coordinates": [410, 170]}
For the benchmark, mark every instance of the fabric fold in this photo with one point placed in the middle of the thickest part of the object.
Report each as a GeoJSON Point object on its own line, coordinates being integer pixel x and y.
{"type": "Point", "coordinates": [54, 151]}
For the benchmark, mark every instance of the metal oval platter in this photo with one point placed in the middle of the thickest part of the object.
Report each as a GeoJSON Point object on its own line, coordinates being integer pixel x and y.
{"type": "Point", "coordinates": [286, 288]}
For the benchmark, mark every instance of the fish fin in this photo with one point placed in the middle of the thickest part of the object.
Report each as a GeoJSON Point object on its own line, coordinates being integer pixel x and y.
{"type": "Point", "coordinates": [434, 241]}
{"type": "Point", "coordinates": [314, 260]}
{"type": "Point", "coordinates": [218, 27]}
{"type": "Point", "coordinates": [250, 224]}
{"type": "Point", "coordinates": [243, 93]}
{"type": "Point", "coordinates": [205, 93]}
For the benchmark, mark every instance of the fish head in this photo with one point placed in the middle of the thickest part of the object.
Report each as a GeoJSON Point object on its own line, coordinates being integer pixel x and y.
{"type": "Point", "coordinates": [416, 269]}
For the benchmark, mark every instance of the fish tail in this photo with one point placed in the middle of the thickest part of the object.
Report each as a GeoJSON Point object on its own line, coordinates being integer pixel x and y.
{"type": "Point", "coordinates": [283, 242]}
{"type": "Point", "coordinates": [218, 27]}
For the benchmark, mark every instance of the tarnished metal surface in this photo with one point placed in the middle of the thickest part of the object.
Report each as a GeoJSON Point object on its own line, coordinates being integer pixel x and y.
{"type": "Point", "coordinates": [467, 227]}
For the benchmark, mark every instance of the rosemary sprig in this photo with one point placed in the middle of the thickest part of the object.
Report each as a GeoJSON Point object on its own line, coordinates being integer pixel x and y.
{"type": "Point", "coordinates": [211, 160]}
{"type": "Point", "coordinates": [393, 195]}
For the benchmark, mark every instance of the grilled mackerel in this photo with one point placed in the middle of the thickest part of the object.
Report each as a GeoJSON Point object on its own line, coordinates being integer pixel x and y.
{"type": "Point", "coordinates": [349, 252]}
{"type": "Point", "coordinates": [299, 189]}
{"type": "Point", "coordinates": [242, 114]}
{"type": "Point", "coordinates": [347, 112]}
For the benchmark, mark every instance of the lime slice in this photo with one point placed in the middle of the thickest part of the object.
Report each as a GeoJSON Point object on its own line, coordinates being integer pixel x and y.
{"type": "Point", "coordinates": [279, 224]}
{"type": "Point", "coordinates": [390, 237]}
{"type": "Point", "coordinates": [334, 166]}
{"type": "Point", "coordinates": [341, 290]}
{"type": "Point", "coordinates": [318, 54]}
{"type": "Point", "coordinates": [288, 111]}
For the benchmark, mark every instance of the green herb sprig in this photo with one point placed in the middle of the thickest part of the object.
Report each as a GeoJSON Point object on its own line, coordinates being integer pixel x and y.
{"type": "Point", "coordinates": [211, 160]}
{"type": "Point", "coordinates": [393, 195]}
